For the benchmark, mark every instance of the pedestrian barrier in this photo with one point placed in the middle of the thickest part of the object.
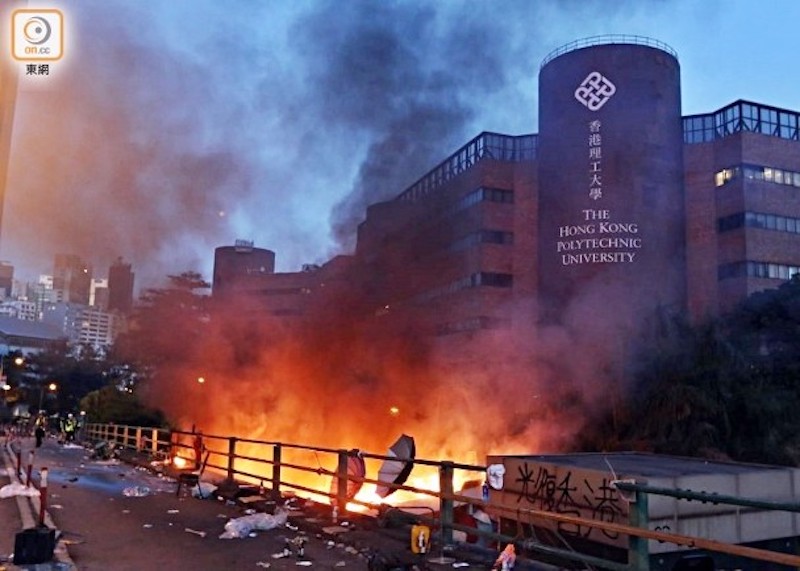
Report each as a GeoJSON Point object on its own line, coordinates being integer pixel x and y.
{"type": "Point", "coordinates": [286, 468]}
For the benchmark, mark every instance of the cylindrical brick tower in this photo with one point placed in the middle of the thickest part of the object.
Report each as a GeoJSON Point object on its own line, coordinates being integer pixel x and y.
{"type": "Point", "coordinates": [240, 267]}
{"type": "Point", "coordinates": [611, 201]}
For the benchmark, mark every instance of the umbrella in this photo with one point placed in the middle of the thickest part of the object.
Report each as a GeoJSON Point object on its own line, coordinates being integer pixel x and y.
{"type": "Point", "coordinates": [397, 469]}
{"type": "Point", "coordinates": [355, 467]}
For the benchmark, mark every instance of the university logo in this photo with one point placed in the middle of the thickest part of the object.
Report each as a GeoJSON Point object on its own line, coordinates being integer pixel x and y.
{"type": "Point", "coordinates": [37, 35]}
{"type": "Point", "coordinates": [595, 91]}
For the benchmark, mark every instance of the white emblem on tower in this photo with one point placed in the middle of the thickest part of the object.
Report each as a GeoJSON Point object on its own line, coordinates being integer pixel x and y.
{"type": "Point", "coordinates": [595, 91]}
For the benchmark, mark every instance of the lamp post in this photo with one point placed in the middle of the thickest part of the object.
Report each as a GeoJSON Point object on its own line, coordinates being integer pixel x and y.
{"type": "Point", "coordinates": [51, 387]}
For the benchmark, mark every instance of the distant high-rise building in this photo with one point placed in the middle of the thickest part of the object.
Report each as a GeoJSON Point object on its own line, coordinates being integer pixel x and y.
{"type": "Point", "coordinates": [120, 287]}
{"type": "Point", "coordinates": [98, 293]}
{"type": "Point", "coordinates": [6, 279]}
{"type": "Point", "coordinates": [73, 276]}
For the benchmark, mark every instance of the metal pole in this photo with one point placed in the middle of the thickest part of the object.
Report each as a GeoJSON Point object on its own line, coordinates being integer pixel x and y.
{"type": "Point", "coordinates": [42, 496]}
{"type": "Point", "coordinates": [638, 553]}
{"type": "Point", "coordinates": [30, 469]}
{"type": "Point", "coordinates": [276, 472]}
{"type": "Point", "coordinates": [340, 501]}
{"type": "Point", "coordinates": [446, 502]}
{"type": "Point", "coordinates": [231, 455]}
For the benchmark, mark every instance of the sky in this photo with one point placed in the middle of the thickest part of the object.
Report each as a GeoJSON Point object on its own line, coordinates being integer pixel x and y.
{"type": "Point", "coordinates": [172, 127]}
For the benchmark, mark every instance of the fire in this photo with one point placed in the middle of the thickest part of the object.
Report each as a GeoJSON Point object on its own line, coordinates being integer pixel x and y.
{"type": "Point", "coordinates": [180, 463]}
{"type": "Point", "coordinates": [340, 383]}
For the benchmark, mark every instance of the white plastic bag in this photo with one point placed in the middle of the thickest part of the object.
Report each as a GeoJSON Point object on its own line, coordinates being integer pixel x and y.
{"type": "Point", "coordinates": [242, 526]}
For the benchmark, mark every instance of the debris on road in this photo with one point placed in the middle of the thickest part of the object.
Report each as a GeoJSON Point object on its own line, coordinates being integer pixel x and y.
{"type": "Point", "coordinates": [17, 489]}
{"type": "Point", "coordinates": [194, 531]}
{"type": "Point", "coordinates": [136, 491]}
{"type": "Point", "coordinates": [242, 526]}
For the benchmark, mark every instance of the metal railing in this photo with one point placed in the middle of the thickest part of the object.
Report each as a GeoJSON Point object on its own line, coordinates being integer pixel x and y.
{"type": "Point", "coordinates": [248, 461]}
{"type": "Point", "coordinates": [606, 40]}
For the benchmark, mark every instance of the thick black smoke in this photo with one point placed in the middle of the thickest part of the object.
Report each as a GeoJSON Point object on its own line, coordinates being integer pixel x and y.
{"type": "Point", "coordinates": [407, 81]}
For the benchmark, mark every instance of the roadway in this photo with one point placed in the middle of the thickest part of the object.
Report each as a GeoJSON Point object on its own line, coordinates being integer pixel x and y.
{"type": "Point", "coordinates": [103, 527]}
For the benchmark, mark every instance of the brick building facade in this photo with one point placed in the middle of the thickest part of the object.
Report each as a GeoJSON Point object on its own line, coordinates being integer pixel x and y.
{"type": "Point", "coordinates": [458, 253]}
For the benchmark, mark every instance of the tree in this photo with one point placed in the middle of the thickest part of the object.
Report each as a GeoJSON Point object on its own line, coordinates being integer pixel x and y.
{"type": "Point", "coordinates": [109, 404]}
{"type": "Point", "coordinates": [729, 387]}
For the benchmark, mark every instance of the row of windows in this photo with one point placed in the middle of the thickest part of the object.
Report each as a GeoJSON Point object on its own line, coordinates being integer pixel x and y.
{"type": "Point", "coordinates": [738, 117]}
{"type": "Point", "coordinates": [477, 279]}
{"type": "Point", "coordinates": [757, 172]}
{"type": "Point", "coordinates": [757, 270]}
{"type": "Point", "coordinates": [485, 194]}
{"type": "Point", "coordinates": [472, 324]}
{"type": "Point", "coordinates": [483, 237]}
{"type": "Point", "coordinates": [480, 194]}
{"type": "Point", "coordinates": [759, 220]}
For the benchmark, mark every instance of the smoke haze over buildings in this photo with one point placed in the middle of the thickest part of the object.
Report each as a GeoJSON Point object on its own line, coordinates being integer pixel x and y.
{"type": "Point", "coordinates": [173, 128]}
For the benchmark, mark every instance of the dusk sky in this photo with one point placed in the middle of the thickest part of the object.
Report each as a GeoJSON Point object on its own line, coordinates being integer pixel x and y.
{"type": "Point", "coordinates": [171, 127]}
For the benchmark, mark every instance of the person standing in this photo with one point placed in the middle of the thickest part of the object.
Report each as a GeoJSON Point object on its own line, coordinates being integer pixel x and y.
{"type": "Point", "coordinates": [39, 430]}
{"type": "Point", "coordinates": [68, 426]}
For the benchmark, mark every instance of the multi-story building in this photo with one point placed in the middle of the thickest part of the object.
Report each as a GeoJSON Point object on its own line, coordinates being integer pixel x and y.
{"type": "Point", "coordinates": [618, 209]}
{"type": "Point", "coordinates": [72, 276]}
{"type": "Point", "coordinates": [19, 309]}
{"type": "Point", "coordinates": [97, 328]}
{"type": "Point", "coordinates": [6, 279]}
{"type": "Point", "coordinates": [120, 287]}
{"type": "Point", "coordinates": [240, 269]}
{"type": "Point", "coordinates": [98, 293]}
{"type": "Point", "coordinates": [742, 180]}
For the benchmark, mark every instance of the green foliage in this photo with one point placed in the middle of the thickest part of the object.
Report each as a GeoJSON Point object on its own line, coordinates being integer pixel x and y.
{"type": "Point", "coordinates": [728, 388]}
{"type": "Point", "coordinates": [167, 322]}
{"type": "Point", "coordinates": [120, 407]}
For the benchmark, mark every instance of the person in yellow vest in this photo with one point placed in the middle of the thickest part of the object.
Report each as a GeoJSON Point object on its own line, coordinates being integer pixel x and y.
{"type": "Point", "coordinates": [68, 426]}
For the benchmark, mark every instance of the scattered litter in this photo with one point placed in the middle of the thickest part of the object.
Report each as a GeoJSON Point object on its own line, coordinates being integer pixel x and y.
{"type": "Point", "coordinates": [280, 555]}
{"type": "Point", "coordinates": [194, 531]}
{"type": "Point", "coordinates": [290, 504]}
{"type": "Point", "coordinates": [173, 511]}
{"type": "Point", "coordinates": [223, 516]}
{"type": "Point", "coordinates": [203, 490]}
{"type": "Point", "coordinates": [249, 511]}
{"type": "Point", "coordinates": [291, 527]}
{"type": "Point", "coordinates": [252, 534]}
{"type": "Point", "coordinates": [136, 491]}
{"type": "Point", "coordinates": [303, 563]}
{"type": "Point", "coordinates": [73, 479]}
{"type": "Point", "coordinates": [330, 544]}
{"type": "Point", "coordinates": [126, 511]}
{"type": "Point", "coordinates": [340, 564]}
{"type": "Point", "coordinates": [334, 529]}
{"type": "Point", "coordinates": [17, 489]}
{"type": "Point", "coordinates": [56, 506]}
{"type": "Point", "coordinates": [264, 564]}
{"type": "Point", "coordinates": [252, 499]}
{"type": "Point", "coordinates": [242, 526]}
{"type": "Point", "coordinates": [147, 525]}
{"type": "Point", "coordinates": [458, 564]}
